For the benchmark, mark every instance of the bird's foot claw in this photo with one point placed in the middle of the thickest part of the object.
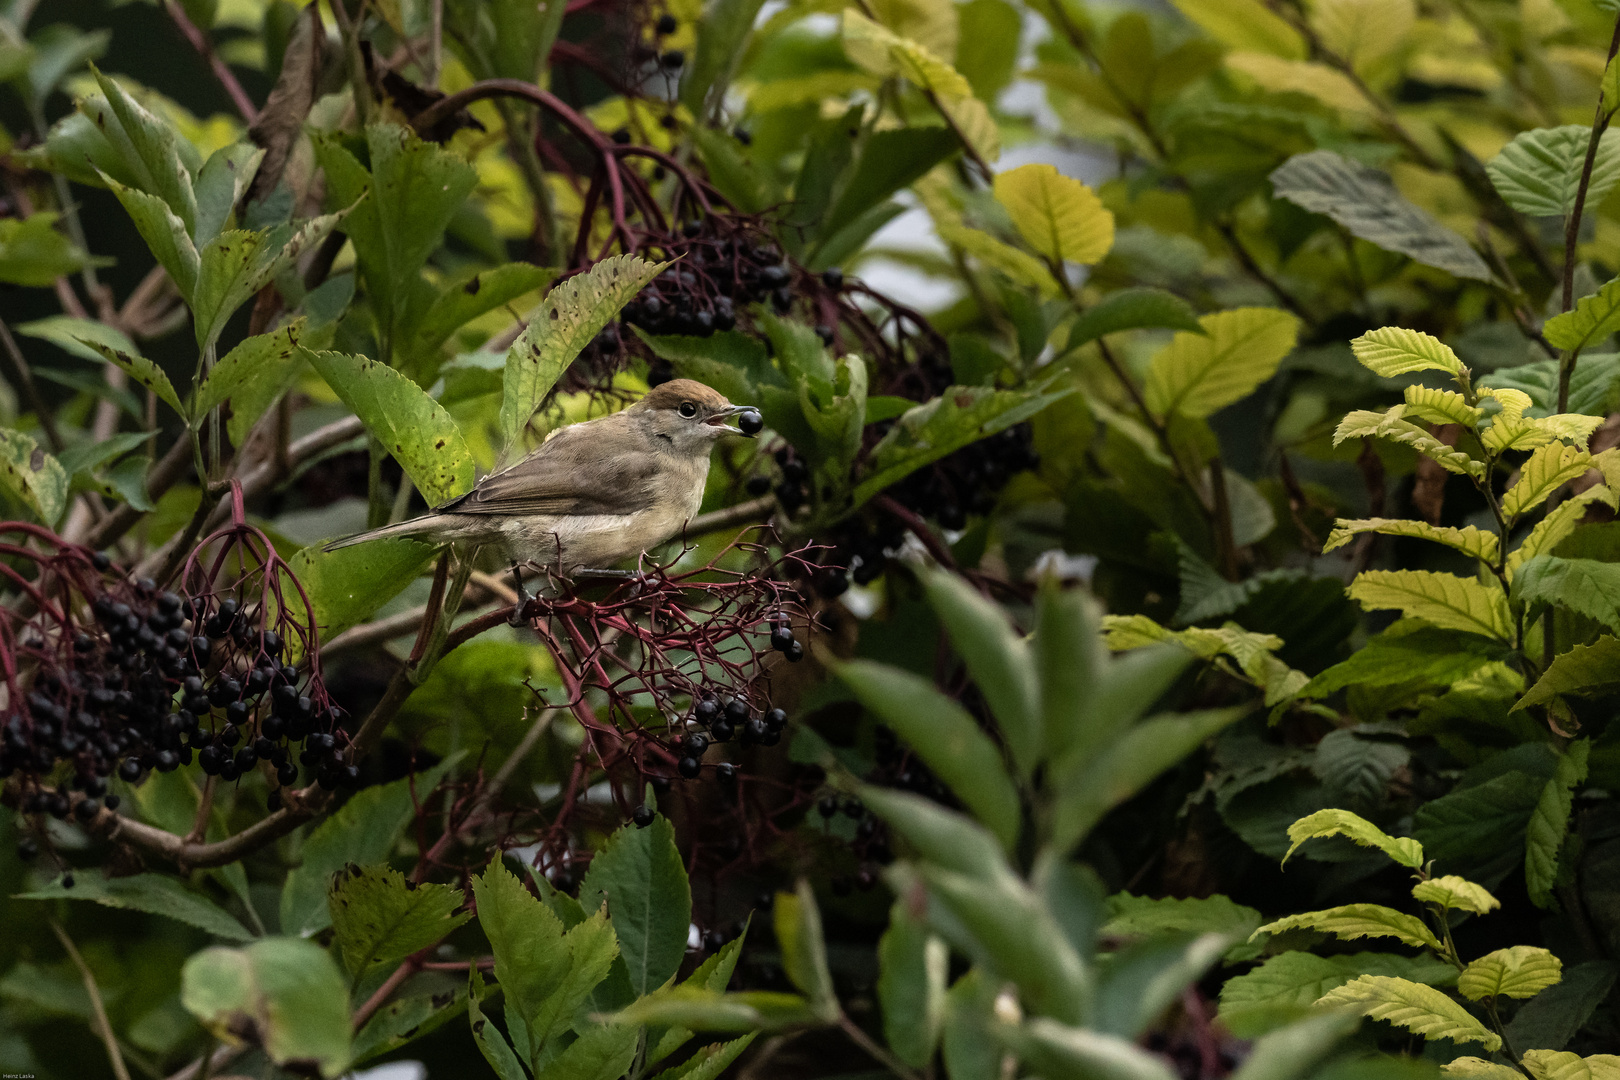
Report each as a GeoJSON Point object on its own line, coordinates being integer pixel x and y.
{"type": "Point", "coordinates": [517, 617]}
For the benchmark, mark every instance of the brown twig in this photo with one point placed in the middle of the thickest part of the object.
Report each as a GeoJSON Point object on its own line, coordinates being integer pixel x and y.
{"type": "Point", "coordinates": [98, 1010]}
{"type": "Point", "coordinates": [205, 49]}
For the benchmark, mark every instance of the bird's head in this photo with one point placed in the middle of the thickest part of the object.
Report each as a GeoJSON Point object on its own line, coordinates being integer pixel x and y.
{"type": "Point", "coordinates": [691, 416]}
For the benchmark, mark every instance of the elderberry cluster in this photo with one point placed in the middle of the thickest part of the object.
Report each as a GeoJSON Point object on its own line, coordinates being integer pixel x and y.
{"type": "Point", "coordinates": [715, 276]}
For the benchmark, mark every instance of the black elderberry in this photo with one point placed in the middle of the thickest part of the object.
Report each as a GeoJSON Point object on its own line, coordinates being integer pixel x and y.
{"type": "Point", "coordinates": [228, 771]}
{"type": "Point", "coordinates": [825, 333]}
{"type": "Point", "coordinates": [286, 772]}
{"type": "Point", "coordinates": [695, 744]}
{"type": "Point", "coordinates": [349, 776]}
{"type": "Point", "coordinates": [224, 691]}
{"type": "Point", "coordinates": [263, 746]}
{"type": "Point", "coordinates": [271, 643]}
{"type": "Point", "coordinates": [774, 276]}
{"type": "Point", "coordinates": [852, 807]}
{"type": "Point", "coordinates": [737, 710]}
{"type": "Point", "coordinates": [327, 776]}
{"type": "Point", "coordinates": [246, 758]}
{"type": "Point", "coordinates": [621, 136]}
{"type": "Point", "coordinates": [258, 681]}
{"type": "Point", "coordinates": [667, 24]}
{"type": "Point", "coordinates": [661, 784]}
{"type": "Point", "coordinates": [210, 758]}
{"type": "Point", "coordinates": [827, 806]}
{"type": "Point", "coordinates": [67, 881]}
{"type": "Point", "coordinates": [27, 849]}
{"type": "Point", "coordinates": [167, 761]}
{"type": "Point", "coordinates": [770, 738]}
{"type": "Point", "coordinates": [833, 278]}
{"type": "Point", "coordinates": [237, 712]}
{"type": "Point", "coordinates": [689, 767]}
{"type": "Point", "coordinates": [776, 719]}
{"type": "Point", "coordinates": [273, 727]}
{"type": "Point", "coordinates": [100, 561]}
{"type": "Point", "coordinates": [742, 135]}
{"type": "Point", "coordinates": [642, 816]}
{"type": "Point", "coordinates": [673, 59]}
{"type": "Point", "coordinates": [202, 649]}
{"type": "Point", "coordinates": [755, 730]}
{"type": "Point", "coordinates": [782, 638]}
{"type": "Point", "coordinates": [83, 643]}
{"type": "Point", "coordinates": [705, 710]}
{"type": "Point", "coordinates": [793, 653]}
{"type": "Point", "coordinates": [85, 809]}
{"type": "Point", "coordinates": [750, 422]}
{"type": "Point", "coordinates": [722, 730]}
{"type": "Point", "coordinates": [229, 735]}
{"type": "Point", "coordinates": [791, 496]}
{"type": "Point", "coordinates": [130, 770]}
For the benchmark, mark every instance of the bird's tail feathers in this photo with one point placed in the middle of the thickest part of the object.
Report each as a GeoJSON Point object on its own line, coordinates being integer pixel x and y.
{"type": "Point", "coordinates": [414, 529]}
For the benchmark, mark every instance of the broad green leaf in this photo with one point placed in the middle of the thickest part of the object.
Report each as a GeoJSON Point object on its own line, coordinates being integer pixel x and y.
{"type": "Point", "coordinates": [285, 991]}
{"type": "Point", "coordinates": [379, 917]}
{"type": "Point", "coordinates": [889, 161]}
{"type": "Point", "coordinates": [1198, 374]}
{"type": "Point", "coordinates": [1553, 1017]}
{"type": "Point", "coordinates": [1288, 983]}
{"type": "Point", "coordinates": [946, 737]}
{"type": "Point", "coordinates": [1144, 979]}
{"type": "Point", "coordinates": [958, 417]}
{"type": "Point", "coordinates": [1445, 600]}
{"type": "Point", "coordinates": [1420, 1009]}
{"type": "Point", "coordinates": [74, 336]}
{"type": "Point", "coordinates": [150, 148]}
{"type": "Point", "coordinates": [346, 587]}
{"type": "Point", "coordinates": [220, 185]}
{"type": "Point", "coordinates": [1069, 656]}
{"type": "Point", "coordinates": [531, 960]}
{"type": "Point", "coordinates": [1364, 423]}
{"type": "Point", "coordinates": [272, 357]}
{"type": "Point", "coordinates": [1142, 916]}
{"type": "Point", "coordinates": [1584, 669]}
{"type": "Point", "coordinates": [945, 837]}
{"type": "Point", "coordinates": [411, 426]}
{"type": "Point", "coordinates": [503, 39]}
{"type": "Point", "coordinates": [571, 315]}
{"type": "Point", "coordinates": [1609, 88]}
{"type": "Point", "coordinates": [711, 1010]}
{"type": "Point", "coordinates": [1566, 1065]}
{"type": "Point", "coordinates": [406, 1019]}
{"type": "Point", "coordinates": [165, 233]}
{"type": "Point", "coordinates": [236, 264]}
{"type": "Point", "coordinates": [1471, 540]}
{"type": "Point", "coordinates": [601, 1052]}
{"type": "Point", "coordinates": [1057, 215]}
{"type": "Point", "coordinates": [708, 1062]}
{"type": "Point", "coordinates": [34, 253]}
{"type": "Point", "coordinates": [1395, 350]}
{"type": "Point", "coordinates": [1594, 318]}
{"type": "Point", "coordinates": [881, 50]}
{"type": "Point", "coordinates": [797, 920]}
{"type": "Point", "coordinates": [1360, 920]}
{"type": "Point", "coordinates": [1363, 31]}
{"type": "Point", "coordinates": [1544, 472]}
{"type": "Point", "coordinates": [997, 657]}
{"type": "Point", "coordinates": [1404, 850]}
{"type": "Point", "coordinates": [1132, 309]}
{"type": "Point", "coordinates": [912, 966]}
{"type": "Point", "coordinates": [591, 949]}
{"type": "Point", "coordinates": [1557, 525]}
{"type": "Point", "coordinates": [1452, 891]}
{"type": "Point", "coordinates": [1585, 586]}
{"type": "Point", "coordinates": [142, 370]}
{"type": "Point", "coordinates": [1246, 25]}
{"type": "Point", "coordinates": [1594, 386]}
{"type": "Point", "coordinates": [1549, 824]}
{"type": "Point", "coordinates": [1519, 972]}
{"type": "Point", "coordinates": [1539, 172]}
{"type": "Point", "coordinates": [491, 1043]}
{"type": "Point", "coordinates": [364, 830]}
{"type": "Point", "coordinates": [32, 477]}
{"type": "Point", "coordinates": [1365, 202]}
{"type": "Point", "coordinates": [1476, 827]}
{"type": "Point", "coordinates": [967, 1048]}
{"type": "Point", "coordinates": [1295, 1051]}
{"type": "Point", "coordinates": [1018, 265]}
{"type": "Point", "coordinates": [1407, 652]}
{"type": "Point", "coordinates": [1440, 406]}
{"type": "Point", "coordinates": [639, 874]}
{"type": "Point", "coordinates": [155, 894]}
{"type": "Point", "coordinates": [1250, 652]}
{"type": "Point", "coordinates": [1087, 788]}
{"type": "Point", "coordinates": [1512, 430]}
{"type": "Point", "coordinates": [464, 300]}
{"type": "Point", "coordinates": [1062, 1052]}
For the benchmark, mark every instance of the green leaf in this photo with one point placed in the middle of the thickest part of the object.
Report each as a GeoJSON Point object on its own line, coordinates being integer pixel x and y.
{"type": "Point", "coordinates": [1420, 1009]}
{"type": "Point", "coordinates": [491, 1043]}
{"type": "Point", "coordinates": [1518, 972]}
{"type": "Point", "coordinates": [142, 370]}
{"type": "Point", "coordinates": [1059, 1052]}
{"type": "Point", "coordinates": [946, 737]}
{"type": "Point", "coordinates": [911, 986]}
{"type": "Point", "coordinates": [1594, 318]}
{"type": "Point", "coordinates": [75, 336]}
{"type": "Point", "coordinates": [287, 992]}
{"type": "Point", "coordinates": [379, 917]}
{"type": "Point", "coordinates": [1142, 980]}
{"type": "Point", "coordinates": [1557, 525]}
{"type": "Point", "coordinates": [222, 181]}
{"type": "Point", "coordinates": [1069, 657]}
{"type": "Point", "coordinates": [1544, 472]}
{"type": "Point", "coordinates": [346, 587]}
{"type": "Point", "coordinates": [411, 426]}
{"type": "Point", "coordinates": [1404, 850]}
{"type": "Point", "coordinates": [1539, 172]}
{"type": "Point", "coordinates": [1142, 916]}
{"type": "Point", "coordinates": [1585, 586]}
{"type": "Point", "coordinates": [1395, 350]}
{"type": "Point", "coordinates": [1133, 309]}
{"type": "Point", "coordinates": [272, 357]}
{"type": "Point", "coordinates": [1362, 423]}
{"type": "Point", "coordinates": [236, 264]}
{"type": "Point", "coordinates": [1018, 265]}
{"type": "Point", "coordinates": [1366, 203]}
{"type": "Point", "coordinates": [33, 253]}
{"type": "Point", "coordinates": [1584, 669]}
{"type": "Point", "coordinates": [1594, 386]}
{"type": "Point", "coordinates": [504, 39]}
{"type": "Point", "coordinates": [1471, 540]}
{"type": "Point", "coordinates": [797, 920]}
{"type": "Point", "coordinates": [710, 1010]}
{"type": "Point", "coordinates": [149, 147]}
{"type": "Point", "coordinates": [154, 894]}
{"type": "Point", "coordinates": [364, 830]}
{"type": "Point", "coordinates": [1440, 406]}
{"type": "Point", "coordinates": [1407, 652]}
{"type": "Point", "coordinates": [1288, 983]}
{"type": "Point", "coordinates": [1360, 920]}
{"type": "Point", "coordinates": [572, 314]}
{"type": "Point", "coordinates": [1246, 25]}
{"type": "Point", "coordinates": [1565, 1065]}
{"type": "Point", "coordinates": [1549, 824]}
{"type": "Point", "coordinates": [165, 234]}
{"type": "Point", "coordinates": [406, 1019]}
{"type": "Point", "coordinates": [967, 1048]}
{"type": "Point", "coordinates": [639, 874]}
{"type": "Point", "coordinates": [1451, 891]}
{"type": "Point", "coordinates": [1057, 215]}
{"type": "Point", "coordinates": [720, 47]}
{"type": "Point", "coordinates": [531, 961]}
{"type": "Point", "coordinates": [998, 658]}
{"type": "Point", "coordinates": [708, 1062]}
{"type": "Point", "coordinates": [1199, 374]}
{"type": "Point", "coordinates": [1445, 600]}
{"type": "Point", "coordinates": [960, 416]}
{"type": "Point", "coordinates": [944, 837]}
{"type": "Point", "coordinates": [601, 1052]}
{"type": "Point", "coordinates": [889, 160]}
{"type": "Point", "coordinates": [1473, 827]}
{"type": "Point", "coordinates": [1294, 1052]}
{"type": "Point", "coordinates": [1553, 1017]}
{"type": "Point", "coordinates": [32, 477]}
{"type": "Point", "coordinates": [465, 299]}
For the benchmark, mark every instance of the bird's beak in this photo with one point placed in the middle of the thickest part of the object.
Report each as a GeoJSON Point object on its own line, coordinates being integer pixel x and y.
{"type": "Point", "coordinates": [718, 420]}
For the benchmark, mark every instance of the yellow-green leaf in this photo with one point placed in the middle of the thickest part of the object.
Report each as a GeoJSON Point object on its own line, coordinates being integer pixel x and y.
{"type": "Point", "coordinates": [1473, 1068]}
{"type": "Point", "coordinates": [1518, 972]}
{"type": "Point", "coordinates": [1196, 374]}
{"type": "Point", "coordinates": [1330, 86]}
{"type": "Point", "coordinates": [1020, 266]}
{"type": "Point", "coordinates": [1544, 472]}
{"type": "Point", "coordinates": [1245, 24]}
{"type": "Point", "coordinates": [1441, 406]}
{"type": "Point", "coordinates": [1404, 850]}
{"type": "Point", "coordinates": [1446, 600]}
{"type": "Point", "coordinates": [1452, 891]}
{"type": "Point", "coordinates": [32, 476]}
{"type": "Point", "coordinates": [1558, 523]}
{"type": "Point", "coordinates": [1364, 423]}
{"type": "Point", "coordinates": [1058, 216]}
{"type": "Point", "coordinates": [1362, 31]}
{"type": "Point", "coordinates": [1470, 540]}
{"type": "Point", "coordinates": [1609, 88]}
{"type": "Point", "coordinates": [1357, 921]}
{"type": "Point", "coordinates": [1420, 1009]}
{"type": "Point", "coordinates": [1395, 350]}
{"type": "Point", "coordinates": [1566, 1065]}
{"type": "Point", "coordinates": [1594, 318]}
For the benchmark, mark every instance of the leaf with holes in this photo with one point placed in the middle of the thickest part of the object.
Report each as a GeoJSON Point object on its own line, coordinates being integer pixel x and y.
{"type": "Point", "coordinates": [1420, 1009]}
{"type": "Point", "coordinates": [1539, 172]}
{"type": "Point", "coordinates": [1518, 972]}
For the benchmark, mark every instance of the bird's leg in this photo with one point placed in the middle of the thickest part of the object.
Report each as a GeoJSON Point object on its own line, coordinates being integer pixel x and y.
{"type": "Point", "coordinates": [517, 618]}
{"type": "Point", "coordinates": [636, 578]}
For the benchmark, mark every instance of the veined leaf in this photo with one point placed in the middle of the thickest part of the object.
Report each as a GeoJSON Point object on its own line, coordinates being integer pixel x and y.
{"type": "Point", "coordinates": [572, 314]}
{"type": "Point", "coordinates": [1058, 216]}
{"type": "Point", "coordinates": [1549, 824]}
{"type": "Point", "coordinates": [1409, 651]}
{"type": "Point", "coordinates": [236, 264]}
{"type": "Point", "coordinates": [1357, 921]}
{"type": "Point", "coordinates": [1451, 891]}
{"type": "Point", "coordinates": [638, 873]}
{"type": "Point", "coordinates": [1020, 266]}
{"type": "Point", "coordinates": [1420, 1009]}
{"type": "Point", "coordinates": [378, 917]}
{"type": "Point", "coordinates": [1363, 31]}
{"type": "Point", "coordinates": [156, 894]}
{"type": "Point", "coordinates": [1594, 387]}
{"type": "Point", "coordinates": [1525, 433]}
{"type": "Point", "coordinates": [1441, 406]}
{"type": "Point", "coordinates": [1295, 980]}
{"type": "Point", "coordinates": [1594, 318]}
{"type": "Point", "coordinates": [1395, 350]}
{"type": "Point", "coordinates": [1557, 524]}
{"type": "Point", "coordinates": [1364, 423]}
{"type": "Point", "coordinates": [1566, 1065]}
{"type": "Point", "coordinates": [1585, 669]}
{"type": "Point", "coordinates": [287, 991]}
{"type": "Point", "coordinates": [1245, 24]}
{"type": "Point", "coordinates": [263, 356]}
{"type": "Point", "coordinates": [1544, 472]}
{"type": "Point", "coordinates": [1131, 309]}
{"type": "Point", "coordinates": [1539, 172]}
{"type": "Point", "coordinates": [150, 148]}
{"type": "Point", "coordinates": [33, 477]}
{"type": "Point", "coordinates": [1328, 85]}
{"type": "Point", "coordinates": [165, 233]}
{"type": "Point", "coordinates": [1446, 600]}
{"type": "Point", "coordinates": [142, 370]}
{"type": "Point", "coordinates": [34, 253]}
{"type": "Point", "coordinates": [1404, 850]}
{"type": "Point", "coordinates": [1519, 972]}
{"type": "Point", "coordinates": [1197, 374]}
{"type": "Point", "coordinates": [1475, 1068]}
{"type": "Point", "coordinates": [1585, 586]}
{"type": "Point", "coordinates": [1470, 540]}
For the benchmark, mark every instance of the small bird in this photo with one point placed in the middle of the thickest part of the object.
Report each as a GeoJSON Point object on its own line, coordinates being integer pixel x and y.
{"type": "Point", "coordinates": [593, 494]}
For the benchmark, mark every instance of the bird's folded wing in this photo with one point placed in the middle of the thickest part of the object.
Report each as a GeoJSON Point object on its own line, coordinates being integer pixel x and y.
{"type": "Point", "coordinates": [565, 476]}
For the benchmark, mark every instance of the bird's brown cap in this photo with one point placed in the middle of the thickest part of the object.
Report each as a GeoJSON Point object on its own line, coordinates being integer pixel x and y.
{"type": "Point", "coordinates": [670, 395]}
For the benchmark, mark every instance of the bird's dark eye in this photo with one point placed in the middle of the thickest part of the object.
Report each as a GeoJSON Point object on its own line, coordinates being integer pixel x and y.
{"type": "Point", "coordinates": [688, 409]}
